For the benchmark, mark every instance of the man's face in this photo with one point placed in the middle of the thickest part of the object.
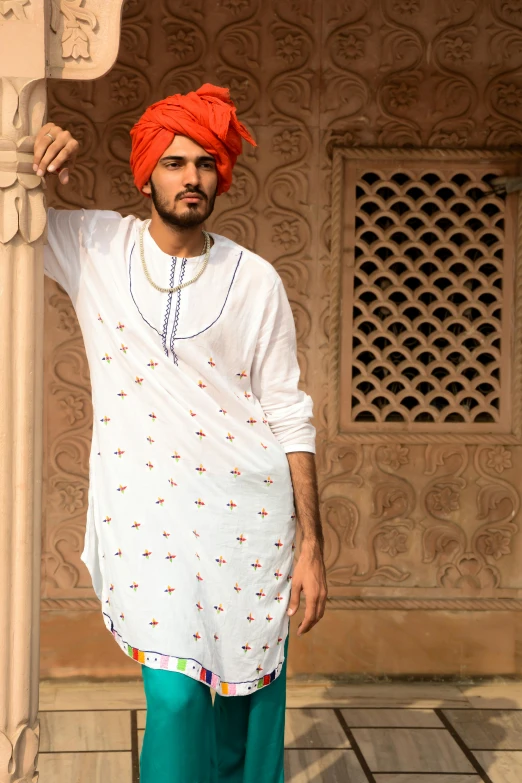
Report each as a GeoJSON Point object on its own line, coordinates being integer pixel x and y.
{"type": "Point", "coordinates": [183, 186]}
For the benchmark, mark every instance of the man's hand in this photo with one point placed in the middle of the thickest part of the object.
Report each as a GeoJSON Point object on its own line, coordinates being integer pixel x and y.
{"type": "Point", "coordinates": [55, 156]}
{"type": "Point", "coordinates": [310, 576]}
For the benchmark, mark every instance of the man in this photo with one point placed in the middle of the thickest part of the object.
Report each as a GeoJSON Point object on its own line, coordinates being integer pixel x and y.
{"type": "Point", "coordinates": [202, 453]}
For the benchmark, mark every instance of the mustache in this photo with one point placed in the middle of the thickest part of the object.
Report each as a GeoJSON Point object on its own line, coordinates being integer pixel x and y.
{"type": "Point", "coordinates": [194, 192]}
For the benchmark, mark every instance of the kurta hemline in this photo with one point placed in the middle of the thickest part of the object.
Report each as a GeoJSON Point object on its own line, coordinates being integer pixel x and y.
{"type": "Point", "coordinates": [198, 671]}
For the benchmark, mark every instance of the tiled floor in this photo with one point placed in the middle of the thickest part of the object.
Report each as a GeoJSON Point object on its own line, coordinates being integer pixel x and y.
{"type": "Point", "coordinates": [392, 733]}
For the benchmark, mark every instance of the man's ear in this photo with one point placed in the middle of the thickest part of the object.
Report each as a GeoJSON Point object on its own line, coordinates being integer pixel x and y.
{"type": "Point", "coordinates": [147, 189]}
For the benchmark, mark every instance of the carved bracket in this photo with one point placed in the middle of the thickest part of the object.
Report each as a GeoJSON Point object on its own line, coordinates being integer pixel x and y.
{"type": "Point", "coordinates": [14, 7]}
{"type": "Point", "coordinates": [85, 37]}
{"type": "Point", "coordinates": [75, 39]}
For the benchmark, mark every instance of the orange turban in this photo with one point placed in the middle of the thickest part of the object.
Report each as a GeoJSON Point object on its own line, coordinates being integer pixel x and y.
{"type": "Point", "coordinates": [207, 116]}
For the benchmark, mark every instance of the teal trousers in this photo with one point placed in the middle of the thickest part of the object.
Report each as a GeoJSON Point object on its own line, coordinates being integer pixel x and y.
{"type": "Point", "coordinates": [239, 739]}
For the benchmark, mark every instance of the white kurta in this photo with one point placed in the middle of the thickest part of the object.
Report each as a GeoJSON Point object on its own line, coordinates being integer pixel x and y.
{"type": "Point", "coordinates": [191, 522]}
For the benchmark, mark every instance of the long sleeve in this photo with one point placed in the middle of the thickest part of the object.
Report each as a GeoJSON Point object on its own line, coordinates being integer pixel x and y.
{"type": "Point", "coordinates": [65, 236]}
{"type": "Point", "coordinates": [275, 376]}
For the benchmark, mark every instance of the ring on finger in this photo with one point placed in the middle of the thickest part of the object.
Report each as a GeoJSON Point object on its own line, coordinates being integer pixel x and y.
{"type": "Point", "coordinates": [51, 137]}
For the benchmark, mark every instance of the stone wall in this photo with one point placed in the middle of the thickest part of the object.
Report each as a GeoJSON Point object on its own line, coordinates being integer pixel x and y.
{"type": "Point", "coordinates": [381, 127]}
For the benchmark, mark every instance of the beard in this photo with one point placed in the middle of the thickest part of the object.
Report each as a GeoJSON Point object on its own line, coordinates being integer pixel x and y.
{"type": "Point", "coordinates": [193, 216]}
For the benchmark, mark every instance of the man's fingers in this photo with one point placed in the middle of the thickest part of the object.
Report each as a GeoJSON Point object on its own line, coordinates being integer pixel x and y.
{"type": "Point", "coordinates": [63, 176]}
{"type": "Point", "coordinates": [313, 613]}
{"type": "Point", "coordinates": [57, 154]}
{"type": "Point", "coordinates": [43, 142]}
{"type": "Point", "coordinates": [65, 156]}
{"type": "Point", "coordinates": [323, 603]}
{"type": "Point", "coordinates": [309, 619]}
{"type": "Point", "coordinates": [40, 148]}
{"type": "Point", "coordinates": [295, 597]}
{"type": "Point", "coordinates": [51, 153]}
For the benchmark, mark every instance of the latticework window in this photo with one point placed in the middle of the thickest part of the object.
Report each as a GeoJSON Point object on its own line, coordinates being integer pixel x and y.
{"type": "Point", "coordinates": [427, 285]}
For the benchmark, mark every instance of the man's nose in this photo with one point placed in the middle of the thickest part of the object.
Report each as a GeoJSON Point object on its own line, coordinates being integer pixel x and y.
{"type": "Point", "coordinates": [191, 175]}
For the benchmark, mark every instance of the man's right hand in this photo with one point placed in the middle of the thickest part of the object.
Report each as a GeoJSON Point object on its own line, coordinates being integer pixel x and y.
{"type": "Point", "coordinates": [56, 157]}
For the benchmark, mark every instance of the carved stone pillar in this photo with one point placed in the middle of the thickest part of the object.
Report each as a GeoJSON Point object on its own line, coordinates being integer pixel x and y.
{"type": "Point", "coordinates": [38, 39]}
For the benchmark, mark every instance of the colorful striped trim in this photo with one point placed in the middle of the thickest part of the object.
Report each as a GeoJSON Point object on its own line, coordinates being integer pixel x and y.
{"type": "Point", "coordinates": [191, 667]}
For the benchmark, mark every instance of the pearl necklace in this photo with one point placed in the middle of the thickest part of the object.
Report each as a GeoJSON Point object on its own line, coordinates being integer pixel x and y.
{"type": "Point", "coordinates": [206, 251]}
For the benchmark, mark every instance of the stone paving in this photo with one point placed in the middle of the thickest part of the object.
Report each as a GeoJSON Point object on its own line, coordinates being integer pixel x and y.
{"type": "Point", "coordinates": [382, 733]}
